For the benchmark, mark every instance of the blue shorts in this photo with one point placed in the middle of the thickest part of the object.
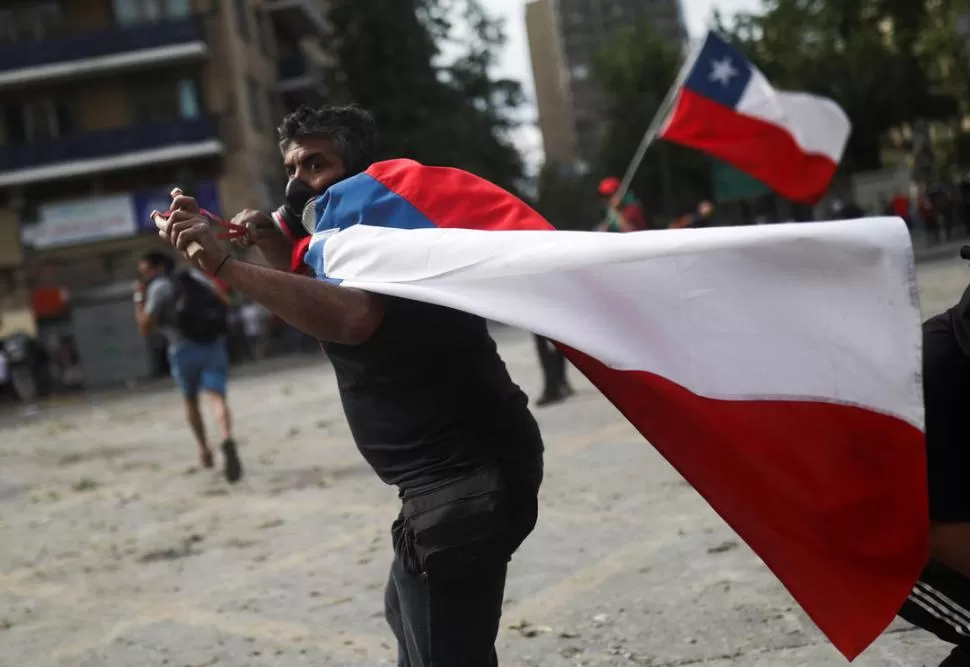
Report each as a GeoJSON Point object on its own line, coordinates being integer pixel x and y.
{"type": "Point", "coordinates": [198, 366]}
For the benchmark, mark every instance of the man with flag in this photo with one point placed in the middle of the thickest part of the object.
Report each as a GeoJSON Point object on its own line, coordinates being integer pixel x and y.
{"type": "Point", "coordinates": [776, 367]}
{"type": "Point", "coordinates": [623, 214]}
{"type": "Point", "coordinates": [429, 401]}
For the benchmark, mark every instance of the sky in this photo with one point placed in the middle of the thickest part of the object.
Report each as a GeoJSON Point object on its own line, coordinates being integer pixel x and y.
{"type": "Point", "coordinates": [515, 63]}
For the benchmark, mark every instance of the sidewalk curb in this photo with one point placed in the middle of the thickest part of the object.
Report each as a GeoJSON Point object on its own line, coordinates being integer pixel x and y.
{"type": "Point", "coordinates": [950, 250]}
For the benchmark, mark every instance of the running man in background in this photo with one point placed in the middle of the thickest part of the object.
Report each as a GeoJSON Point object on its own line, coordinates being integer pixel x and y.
{"type": "Point", "coordinates": [189, 310]}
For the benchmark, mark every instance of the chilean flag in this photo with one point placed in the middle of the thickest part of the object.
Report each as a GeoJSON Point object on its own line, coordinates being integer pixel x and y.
{"type": "Point", "coordinates": [777, 367]}
{"type": "Point", "coordinates": [791, 142]}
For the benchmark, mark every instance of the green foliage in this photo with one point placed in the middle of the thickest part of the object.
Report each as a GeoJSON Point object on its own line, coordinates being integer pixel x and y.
{"type": "Point", "coordinates": [635, 71]}
{"type": "Point", "coordinates": [390, 59]}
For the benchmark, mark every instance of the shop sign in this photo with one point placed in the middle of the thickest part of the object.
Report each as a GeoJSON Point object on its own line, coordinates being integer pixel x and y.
{"type": "Point", "coordinates": [81, 221]}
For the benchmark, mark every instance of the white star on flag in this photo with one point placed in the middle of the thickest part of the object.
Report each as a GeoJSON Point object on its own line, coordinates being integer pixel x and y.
{"type": "Point", "coordinates": [723, 71]}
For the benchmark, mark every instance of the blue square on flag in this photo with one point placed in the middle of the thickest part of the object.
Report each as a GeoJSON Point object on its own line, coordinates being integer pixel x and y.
{"type": "Point", "coordinates": [720, 73]}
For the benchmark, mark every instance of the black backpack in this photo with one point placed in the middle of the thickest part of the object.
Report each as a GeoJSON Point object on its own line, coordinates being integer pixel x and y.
{"type": "Point", "coordinates": [201, 315]}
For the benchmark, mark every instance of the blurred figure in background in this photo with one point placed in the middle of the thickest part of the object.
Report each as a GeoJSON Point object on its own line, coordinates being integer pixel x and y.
{"type": "Point", "coordinates": [255, 324]}
{"type": "Point", "coordinates": [623, 214]}
{"type": "Point", "coordinates": [556, 388]}
{"type": "Point", "coordinates": [900, 207]}
{"type": "Point", "coordinates": [702, 217]}
{"type": "Point", "coordinates": [927, 214]}
{"type": "Point", "coordinates": [190, 311]}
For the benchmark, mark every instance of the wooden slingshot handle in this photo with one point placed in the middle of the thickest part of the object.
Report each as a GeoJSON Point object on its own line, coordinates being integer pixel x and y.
{"type": "Point", "coordinates": [162, 223]}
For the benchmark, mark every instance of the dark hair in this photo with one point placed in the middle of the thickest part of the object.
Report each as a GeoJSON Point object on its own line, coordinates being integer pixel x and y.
{"type": "Point", "coordinates": [158, 260]}
{"type": "Point", "coordinates": [351, 129]}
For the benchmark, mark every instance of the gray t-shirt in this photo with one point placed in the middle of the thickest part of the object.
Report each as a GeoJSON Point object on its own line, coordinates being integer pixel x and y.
{"type": "Point", "coordinates": [160, 303]}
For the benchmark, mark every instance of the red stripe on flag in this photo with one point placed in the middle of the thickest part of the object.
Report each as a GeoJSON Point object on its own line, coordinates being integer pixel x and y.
{"type": "Point", "coordinates": [832, 497]}
{"type": "Point", "coordinates": [760, 149]}
{"type": "Point", "coordinates": [455, 198]}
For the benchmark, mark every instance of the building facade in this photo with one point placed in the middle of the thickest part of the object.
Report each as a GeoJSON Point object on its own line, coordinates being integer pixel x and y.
{"type": "Point", "coordinates": [105, 105]}
{"type": "Point", "coordinates": [564, 36]}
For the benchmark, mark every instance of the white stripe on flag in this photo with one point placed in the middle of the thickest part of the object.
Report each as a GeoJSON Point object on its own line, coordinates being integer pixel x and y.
{"type": "Point", "coordinates": [809, 311]}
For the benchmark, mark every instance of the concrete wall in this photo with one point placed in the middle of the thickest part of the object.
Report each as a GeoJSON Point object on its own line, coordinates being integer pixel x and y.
{"type": "Point", "coordinates": [253, 157]}
{"type": "Point", "coordinates": [10, 250]}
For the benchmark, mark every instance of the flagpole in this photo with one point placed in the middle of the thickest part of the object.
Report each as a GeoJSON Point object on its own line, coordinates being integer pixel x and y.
{"type": "Point", "coordinates": [658, 121]}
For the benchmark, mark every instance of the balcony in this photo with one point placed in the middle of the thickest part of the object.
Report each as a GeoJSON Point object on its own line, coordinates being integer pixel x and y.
{"type": "Point", "coordinates": [300, 83]}
{"type": "Point", "coordinates": [298, 18]}
{"type": "Point", "coordinates": [91, 153]}
{"type": "Point", "coordinates": [111, 50]}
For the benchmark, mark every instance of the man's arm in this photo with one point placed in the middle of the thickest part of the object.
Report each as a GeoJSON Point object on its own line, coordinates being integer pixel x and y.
{"type": "Point", "coordinates": [145, 322]}
{"type": "Point", "coordinates": [263, 233]}
{"type": "Point", "coordinates": [148, 301]}
{"type": "Point", "coordinates": [324, 311]}
{"type": "Point", "coordinates": [317, 308]}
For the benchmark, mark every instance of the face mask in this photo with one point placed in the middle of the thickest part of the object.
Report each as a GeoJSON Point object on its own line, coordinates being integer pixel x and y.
{"type": "Point", "coordinates": [289, 215]}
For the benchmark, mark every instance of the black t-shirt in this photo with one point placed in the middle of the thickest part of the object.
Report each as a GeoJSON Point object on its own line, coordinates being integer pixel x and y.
{"type": "Point", "coordinates": [956, 320]}
{"type": "Point", "coordinates": [428, 397]}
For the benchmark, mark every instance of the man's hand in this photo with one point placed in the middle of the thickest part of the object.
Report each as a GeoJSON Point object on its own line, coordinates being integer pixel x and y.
{"type": "Point", "coordinates": [260, 227]}
{"type": "Point", "coordinates": [182, 202]}
{"type": "Point", "coordinates": [184, 228]}
{"type": "Point", "coordinates": [138, 294]}
{"type": "Point", "coordinates": [265, 235]}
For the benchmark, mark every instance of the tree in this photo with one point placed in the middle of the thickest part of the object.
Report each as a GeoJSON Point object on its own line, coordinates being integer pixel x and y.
{"type": "Point", "coordinates": [870, 56]}
{"type": "Point", "coordinates": [390, 59]}
{"type": "Point", "coordinates": [635, 71]}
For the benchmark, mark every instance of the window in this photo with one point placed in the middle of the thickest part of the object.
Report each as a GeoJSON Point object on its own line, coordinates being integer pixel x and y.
{"type": "Point", "coordinates": [130, 12]}
{"type": "Point", "coordinates": [37, 121]}
{"type": "Point", "coordinates": [31, 21]}
{"type": "Point", "coordinates": [257, 104]}
{"type": "Point", "coordinates": [274, 108]}
{"type": "Point", "coordinates": [269, 39]}
{"type": "Point", "coordinates": [188, 99]}
{"type": "Point", "coordinates": [258, 34]}
{"type": "Point", "coordinates": [161, 101]}
{"type": "Point", "coordinates": [241, 8]}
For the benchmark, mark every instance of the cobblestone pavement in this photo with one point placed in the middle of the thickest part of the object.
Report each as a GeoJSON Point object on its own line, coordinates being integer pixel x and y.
{"type": "Point", "coordinates": [116, 551]}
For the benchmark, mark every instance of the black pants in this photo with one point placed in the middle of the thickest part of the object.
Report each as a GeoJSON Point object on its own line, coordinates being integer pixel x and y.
{"type": "Point", "coordinates": [450, 623]}
{"type": "Point", "coordinates": [553, 367]}
{"type": "Point", "coordinates": [959, 658]}
{"type": "Point", "coordinates": [946, 386]}
{"type": "Point", "coordinates": [940, 603]}
{"type": "Point", "coordinates": [452, 546]}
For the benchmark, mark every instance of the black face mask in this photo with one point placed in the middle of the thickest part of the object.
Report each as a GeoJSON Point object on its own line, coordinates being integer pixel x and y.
{"type": "Point", "coordinates": [290, 214]}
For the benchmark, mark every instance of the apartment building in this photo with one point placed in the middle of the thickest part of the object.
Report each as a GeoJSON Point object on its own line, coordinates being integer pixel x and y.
{"type": "Point", "coordinates": [106, 104]}
{"type": "Point", "coordinates": [564, 36]}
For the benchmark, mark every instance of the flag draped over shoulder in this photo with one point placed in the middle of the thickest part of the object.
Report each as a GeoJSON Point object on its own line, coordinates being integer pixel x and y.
{"type": "Point", "coordinates": [776, 367]}
{"type": "Point", "coordinates": [791, 142]}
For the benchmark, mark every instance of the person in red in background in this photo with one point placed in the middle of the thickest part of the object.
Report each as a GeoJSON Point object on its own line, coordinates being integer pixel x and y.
{"type": "Point", "coordinates": [927, 213]}
{"type": "Point", "coordinates": [623, 214]}
{"type": "Point", "coordinates": [899, 206]}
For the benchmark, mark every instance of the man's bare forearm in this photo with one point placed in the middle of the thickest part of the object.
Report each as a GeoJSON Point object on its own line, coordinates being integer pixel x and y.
{"type": "Point", "coordinates": [277, 256]}
{"type": "Point", "coordinates": [322, 310]}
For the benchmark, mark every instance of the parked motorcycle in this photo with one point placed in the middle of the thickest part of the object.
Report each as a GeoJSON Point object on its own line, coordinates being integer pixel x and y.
{"type": "Point", "coordinates": [28, 366]}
